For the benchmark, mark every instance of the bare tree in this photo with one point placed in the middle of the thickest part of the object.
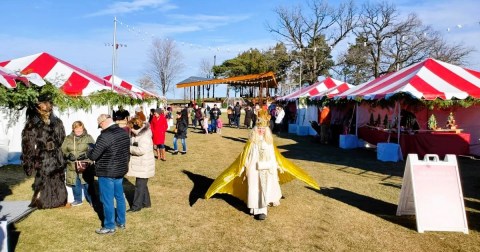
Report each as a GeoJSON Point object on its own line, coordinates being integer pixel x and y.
{"type": "Point", "coordinates": [165, 60]}
{"type": "Point", "coordinates": [206, 68]}
{"type": "Point", "coordinates": [146, 83]}
{"type": "Point", "coordinates": [314, 31]}
{"type": "Point", "coordinates": [393, 43]}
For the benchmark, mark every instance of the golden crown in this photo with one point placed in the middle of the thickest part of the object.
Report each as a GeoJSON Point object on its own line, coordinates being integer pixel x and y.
{"type": "Point", "coordinates": [263, 118]}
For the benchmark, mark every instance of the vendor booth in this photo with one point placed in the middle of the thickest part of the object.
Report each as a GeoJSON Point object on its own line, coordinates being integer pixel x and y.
{"type": "Point", "coordinates": [414, 114]}
{"type": "Point", "coordinates": [71, 80]}
{"type": "Point", "coordinates": [305, 113]}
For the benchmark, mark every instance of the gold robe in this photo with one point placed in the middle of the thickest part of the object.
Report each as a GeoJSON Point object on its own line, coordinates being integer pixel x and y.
{"type": "Point", "coordinates": [231, 181]}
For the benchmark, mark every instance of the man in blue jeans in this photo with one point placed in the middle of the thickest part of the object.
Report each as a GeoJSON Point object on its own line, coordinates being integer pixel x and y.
{"type": "Point", "coordinates": [111, 154]}
{"type": "Point", "coordinates": [214, 115]}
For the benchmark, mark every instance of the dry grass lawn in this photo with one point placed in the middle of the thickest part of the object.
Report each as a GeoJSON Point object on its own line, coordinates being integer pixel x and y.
{"type": "Point", "coordinates": [353, 211]}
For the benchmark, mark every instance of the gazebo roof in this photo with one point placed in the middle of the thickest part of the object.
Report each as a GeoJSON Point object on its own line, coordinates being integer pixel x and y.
{"type": "Point", "coordinates": [267, 79]}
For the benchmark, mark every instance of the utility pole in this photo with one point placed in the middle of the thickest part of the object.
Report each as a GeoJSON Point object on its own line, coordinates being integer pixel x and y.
{"type": "Point", "coordinates": [214, 61]}
{"type": "Point", "coordinates": [114, 60]}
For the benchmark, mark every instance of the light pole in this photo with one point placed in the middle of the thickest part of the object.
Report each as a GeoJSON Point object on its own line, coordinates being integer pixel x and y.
{"type": "Point", "coordinates": [214, 62]}
{"type": "Point", "coordinates": [114, 56]}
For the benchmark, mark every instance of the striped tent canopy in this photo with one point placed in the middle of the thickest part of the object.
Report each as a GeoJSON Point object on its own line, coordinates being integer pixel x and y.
{"type": "Point", "coordinates": [332, 91]}
{"type": "Point", "coordinates": [9, 78]}
{"type": "Point", "coordinates": [127, 85]}
{"type": "Point", "coordinates": [313, 90]}
{"type": "Point", "coordinates": [72, 80]}
{"type": "Point", "coordinates": [428, 80]}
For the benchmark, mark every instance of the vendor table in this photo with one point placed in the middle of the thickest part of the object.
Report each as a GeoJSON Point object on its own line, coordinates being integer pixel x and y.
{"type": "Point", "coordinates": [421, 143]}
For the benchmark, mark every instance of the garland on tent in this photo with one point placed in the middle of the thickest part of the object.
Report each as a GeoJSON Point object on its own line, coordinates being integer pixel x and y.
{"type": "Point", "coordinates": [22, 96]}
{"type": "Point", "coordinates": [415, 104]}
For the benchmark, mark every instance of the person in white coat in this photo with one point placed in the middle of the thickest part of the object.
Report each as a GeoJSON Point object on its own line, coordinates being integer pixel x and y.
{"type": "Point", "coordinates": [280, 114]}
{"type": "Point", "coordinates": [142, 163]}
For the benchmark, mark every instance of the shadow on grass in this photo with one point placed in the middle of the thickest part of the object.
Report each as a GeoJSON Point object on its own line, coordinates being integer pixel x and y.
{"type": "Point", "coordinates": [13, 237]}
{"type": "Point", "coordinates": [200, 187]}
{"type": "Point", "coordinates": [382, 209]}
{"type": "Point", "coordinates": [129, 190]}
{"type": "Point", "coordinates": [10, 176]}
{"type": "Point", "coordinates": [237, 139]}
{"type": "Point", "coordinates": [308, 148]}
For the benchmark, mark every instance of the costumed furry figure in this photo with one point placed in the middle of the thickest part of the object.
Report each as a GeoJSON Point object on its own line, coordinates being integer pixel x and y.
{"type": "Point", "coordinates": [255, 176]}
{"type": "Point", "coordinates": [42, 138]}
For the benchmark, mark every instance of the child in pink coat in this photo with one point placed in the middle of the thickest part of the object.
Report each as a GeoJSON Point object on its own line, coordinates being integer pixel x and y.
{"type": "Point", "coordinates": [219, 125]}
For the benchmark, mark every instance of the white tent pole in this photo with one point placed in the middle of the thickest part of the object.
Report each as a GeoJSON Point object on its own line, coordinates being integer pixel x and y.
{"type": "Point", "coordinates": [398, 122]}
{"type": "Point", "coordinates": [356, 119]}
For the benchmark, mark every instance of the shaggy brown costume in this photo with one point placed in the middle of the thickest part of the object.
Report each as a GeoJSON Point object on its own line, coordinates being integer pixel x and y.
{"type": "Point", "coordinates": [42, 139]}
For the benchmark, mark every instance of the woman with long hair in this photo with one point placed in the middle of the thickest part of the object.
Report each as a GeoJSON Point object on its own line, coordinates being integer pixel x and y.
{"type": "Point", "coordinates": [142, 162]}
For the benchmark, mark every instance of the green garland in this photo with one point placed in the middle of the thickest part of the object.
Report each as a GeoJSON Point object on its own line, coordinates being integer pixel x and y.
{"type": "Point", "coordinates": [405, 98]}
{"type": "Point", "coordinates": [23, 96]}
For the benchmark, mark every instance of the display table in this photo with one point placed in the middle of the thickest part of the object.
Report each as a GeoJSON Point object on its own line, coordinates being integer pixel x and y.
{"type": "Point", "coordinates": [440, 143]}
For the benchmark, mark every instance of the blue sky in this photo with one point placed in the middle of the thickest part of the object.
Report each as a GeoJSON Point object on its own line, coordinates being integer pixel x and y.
{"type": "Point", "coordinates": [78, 31]}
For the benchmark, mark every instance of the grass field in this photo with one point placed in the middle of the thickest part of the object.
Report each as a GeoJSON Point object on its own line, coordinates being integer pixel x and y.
{"type": "Point", "coordinates": [353, 211]}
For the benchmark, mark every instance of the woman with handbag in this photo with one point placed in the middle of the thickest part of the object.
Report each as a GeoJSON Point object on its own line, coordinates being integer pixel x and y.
{"type": "Point", "coordinates": [74, 148]}
{"type": "Point", "coordinates": [142, 163]}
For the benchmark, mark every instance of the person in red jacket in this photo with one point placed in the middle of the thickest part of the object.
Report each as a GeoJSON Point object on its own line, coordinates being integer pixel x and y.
{"type": "Point", "coordinates": [159, 127]}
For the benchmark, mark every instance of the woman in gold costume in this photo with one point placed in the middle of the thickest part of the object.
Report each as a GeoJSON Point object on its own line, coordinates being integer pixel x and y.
{"type": "Point", "coordinates": [255, 176]}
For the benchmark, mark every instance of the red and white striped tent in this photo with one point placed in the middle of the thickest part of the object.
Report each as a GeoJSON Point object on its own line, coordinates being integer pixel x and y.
{"type": "Point", "coordinates": [70, 79]}
{"type": "Point", "coordinates": [332, 91]}
{"type": "Point", "coordinates": [428, 80]}
{"type": "Point", "coordinates": [313, 90]}
{"type": "Point", "coordinates": [138, 90]}
{"type": "Point", "coordinates": [9, 78]}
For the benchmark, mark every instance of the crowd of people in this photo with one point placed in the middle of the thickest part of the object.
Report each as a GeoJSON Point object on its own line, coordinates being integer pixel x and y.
{"type": "Point", "coordinates": [128, 146]}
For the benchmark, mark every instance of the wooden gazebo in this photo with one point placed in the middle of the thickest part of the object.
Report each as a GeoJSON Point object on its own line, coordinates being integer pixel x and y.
{"type": "Point", "coordinates": [264, 80]}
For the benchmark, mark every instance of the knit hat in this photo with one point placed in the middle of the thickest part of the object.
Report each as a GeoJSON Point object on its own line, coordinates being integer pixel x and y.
{"type": "Point", "coordinates": [158, 110]}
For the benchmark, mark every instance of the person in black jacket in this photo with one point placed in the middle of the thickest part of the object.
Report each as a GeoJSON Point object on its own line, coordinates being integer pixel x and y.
{"type": "Point", "coordinates": [236, 114]}
{"type": "Point", "coordinates": [111, 154]}
{"type": "Point", "coordinates": [214, 115]}
{"type": "Point", "coordinates": [248, 117]}
{"type": "Point", "coordinates": [180, 133]}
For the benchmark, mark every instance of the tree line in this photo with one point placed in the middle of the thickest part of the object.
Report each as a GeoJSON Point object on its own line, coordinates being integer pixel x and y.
{"type": "Point", "coordinates": [373, 39]}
